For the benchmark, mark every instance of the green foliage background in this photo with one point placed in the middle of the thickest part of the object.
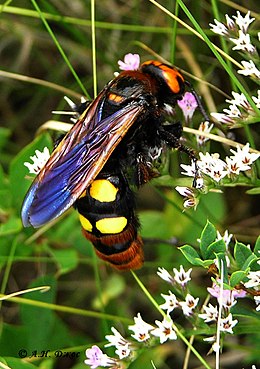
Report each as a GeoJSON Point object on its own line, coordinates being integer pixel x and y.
{"type": "Point", "coordinates": [86, 297]}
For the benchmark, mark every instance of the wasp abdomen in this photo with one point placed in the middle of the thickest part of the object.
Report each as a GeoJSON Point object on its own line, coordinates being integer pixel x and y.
{"type": "Point", "coordinates": [106, 213]}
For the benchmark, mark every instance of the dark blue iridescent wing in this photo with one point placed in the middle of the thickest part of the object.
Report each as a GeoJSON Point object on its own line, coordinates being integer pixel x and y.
{"type": "Point", "coordinates": [76, 161]}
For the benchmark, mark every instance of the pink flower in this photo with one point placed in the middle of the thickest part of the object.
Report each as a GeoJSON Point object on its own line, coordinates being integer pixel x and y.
{"type": "Point", "coordinates": [188, 104]}
{"type": "Point", "coordinates": [131, 62]}
{"type": "Point", "coordinates": [96, 358]}
{"type": "Point", "coordinates": [228, 296]}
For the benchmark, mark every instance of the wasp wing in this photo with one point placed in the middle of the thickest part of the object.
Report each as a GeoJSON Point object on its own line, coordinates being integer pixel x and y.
{"type": "Point", "coordinates": [76, 161]}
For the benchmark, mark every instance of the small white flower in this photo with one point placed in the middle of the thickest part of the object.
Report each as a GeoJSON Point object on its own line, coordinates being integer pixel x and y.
{"type": "Point", "coordinates": [199, 182]}
{"type": "Point", "coordinates": [226, 237]}
{"type": "Point", "coordinates": [218, 172]}
{"type": "Point", "coordinates": [171, 302]}
{"type": "Point", "coordinates": [116, 339]}
{"type": "Point", "coordinates": [187, 192]}
{"type": "Point", "coordinates": [211, 313]}
{"type": "Point", "coordinates": [239, 100]}
{"type": "Point", "coordinates": [254, 279]}
{"type": "Point", "coordinates": [190, 170]}
{"type": "Point", "coordinates": [257, 99]}
{"type": "Point", "coordinates": [233, 166]}
{"type": "Point", "coordinates": [123, 352]}
{"type": "Point", "coordinates": [243, 157]}
{"type": "Point", "coordinates": [164, 330]}
{"type": "Point", "coordinates": [226, 324]}
{"type": "Point", "coordinates": [243, 43]}
{"type": "Point", "coordinates": [207, 161]}
{"type": "Point", "coordinates": [257, 301]}
{"type": "Point", "coordinates": [204, 127]}
{"type": "Point", "coordinates": [165, 275]}
{"type": "Point", "coordinates": [189, 304]}
{"type": "Point", "coordinates": [230, 23]}
{"type": "Point", "coordinates": [219, 28]}
{"type": "Point", "coordinates": [189, 203]}
{"type": "Point", "coordinates": [181, 277]}
{"type": "Point", "coordinates": [39, 160]}
{"type": "Point", "coordinates": [141, 329]}
{"type": "Point", "coordinates": [249, 69]}
{"type": "Point", "coordinates": [211, 165]}
{"type": "Point", "coordinates": [233, 111]}
{"type": "Point", "coordinates": [243, 22]}
{"type": "Point", "coordinates": [210, 339]}
{"type": "Point", "coordinates": [215, 347]}
{"type": "Point", "coordinates": [184, 191]}
{"type": "Point", "coordinates": [223, 118]}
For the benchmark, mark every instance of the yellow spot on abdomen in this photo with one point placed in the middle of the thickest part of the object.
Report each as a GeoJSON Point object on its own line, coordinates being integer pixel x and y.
{"type": "Point", "coordinates": [111, 225]}
{"type": "Point", "coordinates": [103, 190]}
{"type": "Point", "coordinates": [85, 223]}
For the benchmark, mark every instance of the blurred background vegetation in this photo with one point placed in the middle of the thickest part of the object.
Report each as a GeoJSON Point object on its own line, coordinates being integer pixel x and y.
{"type": "Point", "coordinates": [59, 256]}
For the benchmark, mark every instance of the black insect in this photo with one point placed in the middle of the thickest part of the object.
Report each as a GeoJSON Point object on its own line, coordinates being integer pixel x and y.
{"type": "Point", "coordinates": [122, 131]}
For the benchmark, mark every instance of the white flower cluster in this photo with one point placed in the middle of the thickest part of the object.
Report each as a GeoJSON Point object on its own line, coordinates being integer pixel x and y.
{"type": "Point", "coordinates": [220, 314]}
{"type": "Point", "coordinates": [237, 28]}
{"type": "Point", "coordinates": [39, 160]}
{"type": "Point", "coordinates": [236, 31]}
{"type": "Point", "coordinates": [180, 279]}
{"type": "Point", "coordinates": [125, 348]}
{"type": "Point", "coordinates": [254, 284]}
{"type": "Point", "coordinates": [142, 331]}
{"type": "Point", "coordinates": [210, 165]}
{"type": "Point", "coordinates": [239, 109]}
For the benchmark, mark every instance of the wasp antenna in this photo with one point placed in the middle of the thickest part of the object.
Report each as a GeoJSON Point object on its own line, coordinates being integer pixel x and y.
{"type": "Point", "coordinates": [197, 98]}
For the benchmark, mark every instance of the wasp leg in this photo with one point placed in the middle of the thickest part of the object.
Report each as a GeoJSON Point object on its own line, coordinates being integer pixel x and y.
{"type": "Point", "coordinates": [174, 142]}
{"type": "Point", "coordinates": [144, 171]}
{"type": "Point", "coordinates": [175, 129]}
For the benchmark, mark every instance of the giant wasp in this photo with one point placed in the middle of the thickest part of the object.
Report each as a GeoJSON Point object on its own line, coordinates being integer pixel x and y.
{"type": "Point", "coordinates": [113, 144]}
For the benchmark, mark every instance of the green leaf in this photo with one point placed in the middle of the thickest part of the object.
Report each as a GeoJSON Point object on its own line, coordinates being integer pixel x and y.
{"type": "Point", "coordinates": [16, 363]}
{"type": "Point", "coordinates": [237, 277]}
{"type": "Point", "coordinates": [12, 226]}
{"type": "Point", "coordinates": [39, 322]}
{"type": "Point", "coordinates": [208, 236]}
{"type": "Point", "coordinates": [191, 255]}
{"type": "Point", "coordinates": [5, 195]}
{"type": "Point", "coordinates": [153, 224]}
{"type": "Point", "coordinates": [11, 333]}
{"type": "Point", "coordinates": [5, 133]}
{"type": "Point", "coordinates": [19, 184]}
{"type": "Point", "coordinates": [215, 247]}
{"type": "Point", "coordinates": [241, 253]}
{"type": "Point", "coordinates": [66, 259]}
{"type": "Point", "coordinates": [112, 288]}
{"type": "Point", "coordinates": [248, 262]}
{"type": "Point", "coordinates": [207, 263]}
{"type": "Point", "coordinates": [253, 191]}
{"type": "Point", "coordinates": [257, 247]}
